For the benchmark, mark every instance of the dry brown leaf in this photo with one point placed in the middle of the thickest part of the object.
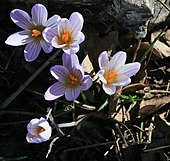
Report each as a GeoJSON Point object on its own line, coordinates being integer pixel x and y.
{"type": "Point", "coordinates": [151, 106]}
{"type": "Point", "coordinates": [87, 65]}
{"type": "Point", "coordinates": [161, 47]}
{"type": "Point", "coordinates": [167, 37]}
{"type": "Point", "coordinates": [133, 87]}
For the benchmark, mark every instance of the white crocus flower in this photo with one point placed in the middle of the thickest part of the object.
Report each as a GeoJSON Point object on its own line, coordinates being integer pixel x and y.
{"type": "Point", "coordinates": [68, 34]}
{"type": "Point", "coordinates": [115, 73]}
{"type": "Point", "coordinates": [39, 131]}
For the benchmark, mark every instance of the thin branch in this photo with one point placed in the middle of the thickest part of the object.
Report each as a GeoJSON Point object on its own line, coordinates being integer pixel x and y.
{"type": "Point", "coordinates": [28, 81]}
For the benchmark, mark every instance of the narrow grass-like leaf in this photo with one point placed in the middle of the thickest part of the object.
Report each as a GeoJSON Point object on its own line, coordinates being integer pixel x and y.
{"type": "Point", "coordinates": [145, 54]}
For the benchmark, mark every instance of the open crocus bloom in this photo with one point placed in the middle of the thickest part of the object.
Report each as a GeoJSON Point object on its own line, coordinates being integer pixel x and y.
{"type": "Point", "coordinates": [71, 79]}
{"type": "Point", "coordinates": [115, 72]}
{"type": "Point", "coordinates": [68, 34]}
{"type": "Point", "coordinates": [33, 28]}
{"type": "Point", "coordinates": [39, 131]}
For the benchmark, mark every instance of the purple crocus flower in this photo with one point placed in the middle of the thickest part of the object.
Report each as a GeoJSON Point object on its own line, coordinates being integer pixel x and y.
{"type": "Point", "coordinates": [68, 34]}
{"type": "Point", "coordinates": [71, 79]}
{"type": "Point", "coordinates": [115, 72]}
{"type": "Point", "coordinates": [39, 131]}
{"type": "Point", "coordinates": [33, 28]}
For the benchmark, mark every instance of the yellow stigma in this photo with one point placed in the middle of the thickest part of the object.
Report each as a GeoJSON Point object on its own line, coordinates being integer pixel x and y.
{"type": "Point", "coordinates": [36, 33]}
{"type": "Point", "coordinates": [74, 80]}
{"type": "Point", "coordinates": [110, 76]}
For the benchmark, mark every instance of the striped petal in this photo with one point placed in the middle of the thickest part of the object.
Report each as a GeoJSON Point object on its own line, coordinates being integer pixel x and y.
{"type": "Point", "coordinates": [55, 91]}
{"type": "Point", "coordinates": [103, 60]}
{"type": "Point", "coordinates": [39, 14]}
{"type": "Point", "coordinates": [59, 72]}
{"type": "Point", "coordinates": [21, 18]}
{"type": "Point", "coordinates": [19, 38]}
{"type": "Point", "coordinates": [32, 51]}
{"type": "Point", "coordinates": [72, 94]}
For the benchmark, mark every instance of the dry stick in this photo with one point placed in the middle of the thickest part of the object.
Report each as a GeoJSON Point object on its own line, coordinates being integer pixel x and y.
{"type": "Point", "coordinates": [164, 5]}
{"type": "Point", "coordinates": [136, 50]}
{"type": "Point", "coordinates": [28, 81]}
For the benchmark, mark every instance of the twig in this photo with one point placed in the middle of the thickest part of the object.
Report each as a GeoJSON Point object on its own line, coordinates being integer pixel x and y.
{"type": "Point", "coordinates": [51, 145]}
{"type": "Point", "coordinates": [13, 123]}
{"type": "Point", "coordinates": [123, 138]}
{"type": "Point", "coordinates": [28, 81]}
{"type": "Point", "coordinates": [157, 148]}
{"type": "Point", "coordinates": [21, 113]}
{"type": "Point", "coordinates": [89, 146]}
{"type": "Point", "coordinates": [164, 5]}
{"type": "Point", "coordinates": [136, 50]}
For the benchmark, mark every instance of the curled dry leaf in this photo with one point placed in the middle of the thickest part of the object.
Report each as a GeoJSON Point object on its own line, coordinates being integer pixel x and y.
{"type": "Point", "coordinates": [151, 106]}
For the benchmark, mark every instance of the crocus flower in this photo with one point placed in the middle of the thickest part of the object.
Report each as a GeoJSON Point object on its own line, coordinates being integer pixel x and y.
{"type": "Point", "coordinates": [68, 34]}
{"type": "Point", "coordinates": [32, 33]}
{"type": "Point", "coordinates": [39, 131]}
{"type": "Point", "coordinates": [115, 72]}
{"type": "Point", "coordinates": [71, 79]}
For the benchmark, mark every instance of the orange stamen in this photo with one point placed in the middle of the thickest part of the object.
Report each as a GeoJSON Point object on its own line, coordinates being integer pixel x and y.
{"type": "Point", "coordinates": [40, 129]}
{"type": "Point", "coordinates": [111, 76]}
{"type": "Point", "coordinates": [36, 33]}
{"type": "Point", "coordinates": [65, 37]}
{"type": "Point", "coordinates": [74, 80]}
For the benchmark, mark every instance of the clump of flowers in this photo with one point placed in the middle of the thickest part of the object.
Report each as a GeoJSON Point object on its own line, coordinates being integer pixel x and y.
{"type": "Point", "coordinates": [68, 34]}
{"type": "Point", "coordinates": [115, 72]}
{"type": "Point", "coordinates": [71, 79]}
{"type": "Point", "coordinates": [39, 131]}
{"type": "Point", "coordinates": [38, 32]}
{"type": "Point", "coordinates": [33, 28]}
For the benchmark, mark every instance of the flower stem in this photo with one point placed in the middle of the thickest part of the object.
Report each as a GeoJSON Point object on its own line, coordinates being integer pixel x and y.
{"type": "Point", "coordinates": [28, 81]}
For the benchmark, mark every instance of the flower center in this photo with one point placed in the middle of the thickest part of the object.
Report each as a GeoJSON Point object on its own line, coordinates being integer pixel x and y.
{"type": "Point", "coordinates": [110, 76]}
{"type": "Point", "coordinates": [65, 36]}
{"type": "Point", "coordinates": [37, 130]}
{"type": "Point", "coordinates": [35, 33]}
{"type": "Point", "coordinates": [74, 80]}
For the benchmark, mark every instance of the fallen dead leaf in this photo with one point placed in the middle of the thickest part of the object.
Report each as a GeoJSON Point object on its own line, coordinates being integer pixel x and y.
{"type": "Point", "coordinates": [161, 47]}
{"type": "Point", "coordinates": [151, 106]}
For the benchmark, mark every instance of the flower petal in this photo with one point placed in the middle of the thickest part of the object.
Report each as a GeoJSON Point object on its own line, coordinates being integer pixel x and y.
{"type": "Point", "coordinates": [78, 71]}
{"type": "Point", "coordinates": [21, 18]}
{"type": "Point", "coordinates": [103, 60]}
{"type": "Point", "coordinates": [45, 135]}
{"type": "Point", "coordinates": [55, 91]}
{"type": "Point", "coordinates": [122, 81]}
{"type": "Point", "coordinates": [110, 90]}
{"type": "Point", "coordinates": [76, 20]}
{"type": "Point", "coordinates": [47, 47]}
{"type": "Point", "coordinates": [129, 69]}
{"type": "Point", "coordinates": [72, 94]}
{"type": "Point", "coordinates": [64, 24]}
{"type": "Point", "coordinates": [117, 61]}
{"type": "Point", "coordinates": [56, 44]}
{"type": "Point", "coordinates": [78, 39]}
{"type": "Point", "coordinates": [53, 21]}
{"type": "Point", "coordinates": [31, 124]}
{"type": "Point", "coordinates": [69, 60]}
{"type": "Point", "coordinates": [19, 38]}
{"type": "Point", "coordinates": [32, 51]}
{"type": "Point", "coordinates": [87, 82]}
{"type": "Point", "coordinates": [39, 14]}
{"type": "Point", "coordinates": [49, 34]}
{"type": "Point", "coordinates": [59, 72]}
{"type": "Point", "coordinates": [72, 49]}
{"type": "Point", "coordinates": [101, 76]}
